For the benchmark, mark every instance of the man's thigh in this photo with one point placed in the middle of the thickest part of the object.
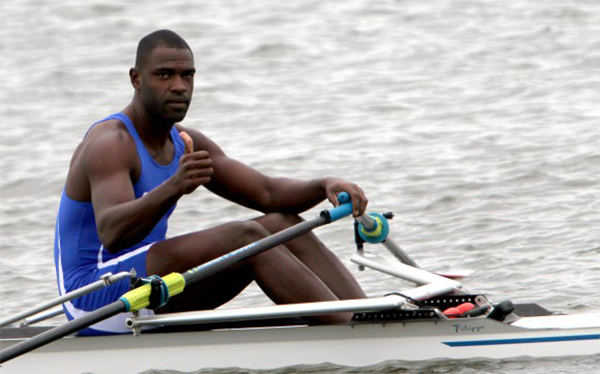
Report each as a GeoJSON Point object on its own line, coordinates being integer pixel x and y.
{"type": "Point", "coordinates": [212, 291]}
{"type": "Point", "coordinates": [184, 252]}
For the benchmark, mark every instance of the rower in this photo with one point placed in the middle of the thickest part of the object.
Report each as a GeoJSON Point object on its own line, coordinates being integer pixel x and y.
{"type": "Point", "coordinates": [133, 167]}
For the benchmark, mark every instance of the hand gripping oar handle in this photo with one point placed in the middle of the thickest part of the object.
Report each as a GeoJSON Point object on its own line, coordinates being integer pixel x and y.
{"type": "Point", "coordinates": [140, 297]}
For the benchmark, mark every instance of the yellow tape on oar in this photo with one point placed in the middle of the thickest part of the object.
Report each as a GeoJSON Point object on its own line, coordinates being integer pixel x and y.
{"type": "Point", "coordinates": [376, 231]}
{"type": "Point", "coordinates": [139, 298]}
{"type": "Point", "coordinates": [379, 233]}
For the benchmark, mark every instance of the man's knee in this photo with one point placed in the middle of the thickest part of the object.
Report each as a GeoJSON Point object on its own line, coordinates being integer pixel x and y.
{"type": "Point", "coordinates": [289, 219]}
{"type": "Point", "coordinates": [251, 231]}
{"type": "Point", "coordinates": [275, 222]}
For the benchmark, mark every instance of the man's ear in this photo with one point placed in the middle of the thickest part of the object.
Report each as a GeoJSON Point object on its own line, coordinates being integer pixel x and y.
{"type": "Point", "coordinates": [134, 77]}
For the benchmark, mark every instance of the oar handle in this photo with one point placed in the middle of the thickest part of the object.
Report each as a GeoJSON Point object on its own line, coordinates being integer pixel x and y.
{"type": "Point", "coordinates": [373, 227]}
{"type": "Point", "coordinates": [341, 211]}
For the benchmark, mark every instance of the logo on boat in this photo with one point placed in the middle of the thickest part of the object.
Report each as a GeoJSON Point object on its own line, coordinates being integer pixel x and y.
{"type": "Point", "coordinates": [459, 327]}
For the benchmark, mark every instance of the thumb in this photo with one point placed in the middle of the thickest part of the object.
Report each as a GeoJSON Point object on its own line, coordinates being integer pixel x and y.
{"type": "Point", "coordinates": [187, 140]}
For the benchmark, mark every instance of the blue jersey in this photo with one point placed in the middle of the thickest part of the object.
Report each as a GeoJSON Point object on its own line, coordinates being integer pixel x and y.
{"type": "Point", "coordinates": [80, 257]}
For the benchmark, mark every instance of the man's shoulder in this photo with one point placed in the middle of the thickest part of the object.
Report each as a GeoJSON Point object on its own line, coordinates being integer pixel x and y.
{"type": "Point", "coordinates": [107, 145]}
{"type": "Point", "coordinates": [107, 137]}
{"type": "Point", "coordinates": [109, 132]}
{"type": "Point", "coordinates": [110, 127]}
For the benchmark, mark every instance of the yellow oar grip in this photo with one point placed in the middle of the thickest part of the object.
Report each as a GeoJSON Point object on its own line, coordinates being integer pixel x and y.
{"type": "Point", "coordinates": [175, 282]}
{"type": "Point", "coordinates": [139, 298]}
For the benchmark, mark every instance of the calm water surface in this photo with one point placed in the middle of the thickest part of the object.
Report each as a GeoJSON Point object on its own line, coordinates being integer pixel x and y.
{"type": "Point", "coordinates": [475, 122]}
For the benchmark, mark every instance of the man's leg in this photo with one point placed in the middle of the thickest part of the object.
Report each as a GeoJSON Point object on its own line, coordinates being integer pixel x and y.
{"type": "Point", "coordinates": [316, 256]}
{"type": "Point", "coordinates": [281, 275]}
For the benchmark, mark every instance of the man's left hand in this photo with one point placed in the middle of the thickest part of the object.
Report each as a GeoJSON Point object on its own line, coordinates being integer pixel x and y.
{"type": "Point", "coordinates": [359, 201]}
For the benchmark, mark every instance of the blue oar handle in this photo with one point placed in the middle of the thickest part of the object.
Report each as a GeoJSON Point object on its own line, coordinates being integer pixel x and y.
{"type": "Point", "coordinates": [341, 211]}
{"type": "Point", "coordinates": [373, 227]}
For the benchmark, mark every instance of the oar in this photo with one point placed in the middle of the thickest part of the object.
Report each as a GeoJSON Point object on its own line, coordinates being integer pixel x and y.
{"type": "Point", "coordinates": [175, 283]}
{"type": "Point", "coordinates": [106, 280]}
{"type": "Point", "coordinates": [373, 228]}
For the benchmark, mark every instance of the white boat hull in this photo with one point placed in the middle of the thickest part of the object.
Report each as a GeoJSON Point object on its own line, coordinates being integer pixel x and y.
{"type": "Point", "coordinates": [354, 345]}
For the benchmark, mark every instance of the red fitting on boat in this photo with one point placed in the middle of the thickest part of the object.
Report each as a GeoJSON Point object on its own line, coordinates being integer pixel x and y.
{"type": "Point", "coordinates": [451, 312]}
{"type": "Point", "coordinates": [457, 311]}
{"type": "Point", "coordinates": [465, 307]}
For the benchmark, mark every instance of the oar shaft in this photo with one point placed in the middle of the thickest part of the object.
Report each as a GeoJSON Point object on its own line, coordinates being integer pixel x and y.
{"type": "Point", "coordinates": [106, 281]}
{"type": "Point", "coordinates": [61, 331]}
{"type": "Point", "coordinates": [220, 263]}
{"type": "Point", "coordinates": [370, 224]}
{"type": "Point", "coordinates": [43, 316]}
{"type": "Point", "coordinates": [399, 253]}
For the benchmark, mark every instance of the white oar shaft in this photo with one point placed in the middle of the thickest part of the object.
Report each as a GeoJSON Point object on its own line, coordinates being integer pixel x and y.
{"type": "Point", "coordinates": [42, 317]}
{"type": "Point", "coordinates": [399, 253]}
{"type": "Point", "coordinates": [106, 281]}
{"type": "Point", "coordinates": [403, 271]}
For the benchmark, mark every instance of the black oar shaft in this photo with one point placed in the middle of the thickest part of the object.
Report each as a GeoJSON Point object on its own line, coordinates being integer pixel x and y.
{"type": "Point", "coordinates": [220, 263]}
{"type": "Point", "coordinates": [62, 331]}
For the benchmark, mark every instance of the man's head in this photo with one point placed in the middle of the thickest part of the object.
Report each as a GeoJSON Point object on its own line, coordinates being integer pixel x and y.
{"type": "Point", "coordinates": [160, 38]}
{"type": "Point", "coordinates": [163, 76]}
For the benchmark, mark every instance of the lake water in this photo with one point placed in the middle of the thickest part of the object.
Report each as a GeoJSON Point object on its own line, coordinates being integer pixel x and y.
{"type": "Point", "coordinates": [476, 122]}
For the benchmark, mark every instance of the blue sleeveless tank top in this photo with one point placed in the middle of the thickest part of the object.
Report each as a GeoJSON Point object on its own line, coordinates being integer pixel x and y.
{"type": "Point", "coordinates": [77, 248]}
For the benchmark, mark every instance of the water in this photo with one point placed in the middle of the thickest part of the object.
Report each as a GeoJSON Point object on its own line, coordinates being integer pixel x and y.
{"type": "Point", "coordinates": [476, 122]}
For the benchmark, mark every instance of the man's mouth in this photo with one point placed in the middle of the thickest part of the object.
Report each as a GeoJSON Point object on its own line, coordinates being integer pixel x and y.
{"type": "Point", "coordinates": [180, 104]}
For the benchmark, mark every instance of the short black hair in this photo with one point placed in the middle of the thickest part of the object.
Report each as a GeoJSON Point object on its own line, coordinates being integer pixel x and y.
{"type": "Point", "coordinates": [159, 38]}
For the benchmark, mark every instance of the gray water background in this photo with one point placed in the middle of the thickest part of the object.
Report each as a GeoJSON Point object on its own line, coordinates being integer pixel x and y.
{"type": "Point", "coordinates": [475, 122]}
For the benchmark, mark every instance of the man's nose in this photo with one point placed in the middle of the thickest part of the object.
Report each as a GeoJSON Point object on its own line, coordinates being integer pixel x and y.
{"type": "Point", "coordinates": [178, 84]}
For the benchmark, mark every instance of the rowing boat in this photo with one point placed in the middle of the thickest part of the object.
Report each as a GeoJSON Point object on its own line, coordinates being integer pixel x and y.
{"type": "Point", "coordinates": [436, 319]}
{"type": "Point", "coordinates": [355, 344]}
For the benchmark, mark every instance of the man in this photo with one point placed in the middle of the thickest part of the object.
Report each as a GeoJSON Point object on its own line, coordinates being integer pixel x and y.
{"type": "Point", "coordinates": [130, 170]}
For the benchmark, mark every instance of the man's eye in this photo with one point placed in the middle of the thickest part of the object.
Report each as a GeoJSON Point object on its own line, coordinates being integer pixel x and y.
{"type": "Point", "coordinates": [163, 75]}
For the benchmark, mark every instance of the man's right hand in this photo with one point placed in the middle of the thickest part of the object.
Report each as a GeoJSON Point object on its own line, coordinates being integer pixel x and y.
{"type": "Point", "coordinates": [195, 168]}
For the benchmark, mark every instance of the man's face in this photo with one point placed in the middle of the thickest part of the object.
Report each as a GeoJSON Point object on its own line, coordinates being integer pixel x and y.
{"type": "Point", "coordinates": [166, 83]}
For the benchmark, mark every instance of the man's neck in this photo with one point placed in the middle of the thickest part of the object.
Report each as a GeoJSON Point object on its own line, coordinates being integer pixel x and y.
{"type": "Point", "coordinates": [154, 132]}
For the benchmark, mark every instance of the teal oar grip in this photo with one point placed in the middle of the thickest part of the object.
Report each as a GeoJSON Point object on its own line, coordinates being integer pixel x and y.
{"type": "Point", "coordinates": [380, 230]}
{"type": "Point", "coordinates": [345, 208]}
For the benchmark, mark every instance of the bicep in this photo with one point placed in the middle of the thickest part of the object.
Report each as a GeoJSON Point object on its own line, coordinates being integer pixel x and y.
{"type": "Point", "coordinates": [108, 167]}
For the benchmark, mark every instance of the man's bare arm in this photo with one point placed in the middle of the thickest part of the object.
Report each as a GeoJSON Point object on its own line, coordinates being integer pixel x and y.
{"type": "Point", "coordinates": [238, 182]}
{"type": "Point", "coordinates": [121, 219]}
